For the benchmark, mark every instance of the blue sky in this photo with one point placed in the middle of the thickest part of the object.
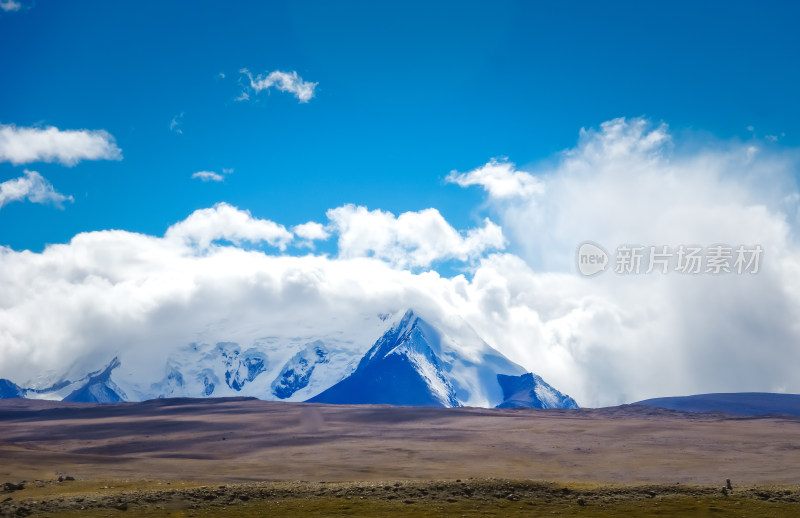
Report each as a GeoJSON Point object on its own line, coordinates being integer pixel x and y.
{"type": "Point", "coordinates": [406, 93]}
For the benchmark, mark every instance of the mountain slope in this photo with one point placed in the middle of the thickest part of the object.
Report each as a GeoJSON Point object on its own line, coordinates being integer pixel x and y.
{"type": "Point", "coordinates": [737, 403]}
{"type": "Point", "coordinates": [297, 371]}
{"type": "Point", "coordinates": [99, 388]}
{"type": "Point", "coordinates": [94, 387]}
{"type": "Point", "coordinates": [531, 391]}
{"type": "Point", "coordinates": [411, 362]}
{"type": "Point", "coordinates": [9, 390]}
{"type": "Point", "coordinates": [415, 364]}
{"type": "Point", "coordinates": [400, 369]}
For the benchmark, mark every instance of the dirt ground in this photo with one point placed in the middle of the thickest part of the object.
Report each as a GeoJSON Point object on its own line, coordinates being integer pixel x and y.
{"type": "Point", "coordinates": [170, 457]}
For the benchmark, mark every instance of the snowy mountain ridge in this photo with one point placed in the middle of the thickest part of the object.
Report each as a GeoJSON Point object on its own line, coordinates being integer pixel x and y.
{"type": "Point", "coordinates": [410, 362]}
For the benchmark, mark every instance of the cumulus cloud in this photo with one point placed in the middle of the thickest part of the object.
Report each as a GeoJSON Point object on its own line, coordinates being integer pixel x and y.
{"type": "Point", "coordinates": [500, 180]}
{"type": "Point", "coordinates": [624, 184]}
{"type": "Point", "coordinates": [33, 187]}
{"type": "Point", "coordinates": [283, 81]}
{"type": "Point", "coordinates": [226, 222]}
{"type": "Point", "coordinates": [208, 176]}
{"type": "Point", "coordinates": [642, 336]}
{"type": "Point", "coordinates": [20, 145]}
{"type": "Point", "coordinates": [413, 239]}
{"type": "Point", "coordinates": [10, 5]}
{"type": "Point", "coordinates": [605, 340]}
{"type": "Point", "coordinates": [310, 232]}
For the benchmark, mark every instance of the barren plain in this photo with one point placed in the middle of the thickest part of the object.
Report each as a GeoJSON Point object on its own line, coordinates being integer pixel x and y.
{"type": "Point", "coordinates": [246, 457]}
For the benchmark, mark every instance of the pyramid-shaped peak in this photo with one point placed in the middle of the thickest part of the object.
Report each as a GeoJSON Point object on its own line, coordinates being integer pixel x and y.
{"type": "Point", "coordinates": [409, 317]}
{"type": "Point", "coordinates": [409, 320]}
{"type": "Point", "coordinates": [402, 368]}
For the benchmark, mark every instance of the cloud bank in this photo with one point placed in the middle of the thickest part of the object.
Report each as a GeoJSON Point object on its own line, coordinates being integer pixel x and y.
{"type": "Point", "coordinates": [20, 145]}
{"type": "Point", "coordinates": [224, 275]}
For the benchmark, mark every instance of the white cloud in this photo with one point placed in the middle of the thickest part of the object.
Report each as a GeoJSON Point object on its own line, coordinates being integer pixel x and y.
{"type": "Point", "coordinates": [413, 239]}
{"type": "Point", "coordinates": [211, 176]}
{"type": "Point", "coordinates": [114, 292]}
{"type": "Point", "coordinates": [624, 184]}
{"type": "Point", "coordinates": [175, 124]}
{"type": "Point", "coordinates": [10, 5]}
{"type": "Point", "coordinates": [32, 186]}
{"type": "Point", "coordinates": [646, 336]}
{"type": "Point", "coordinates": [20, 145]}
{"type": "Point", "coordinates": [225, 222]}
{"type": "Point", "coordinates": [208, 176]}
{"type": "Point", "coordinates": [499, 179]}
{"type": "Point", "coordinates": [283, 81]}
{"type": "Point", "coordinates": [310, 232]}
{"type": "Point", "coordinates": [605, 340]}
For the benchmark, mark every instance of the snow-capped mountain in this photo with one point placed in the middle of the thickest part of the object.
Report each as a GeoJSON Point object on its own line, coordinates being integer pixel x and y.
{"type": "Point", "coordinates": [96, 386]}
{"type": "Point", "coordinates": [402, 368]}
{"type": "Point", "coordinates": [297, 374]}
{"type": "Point", "coordinates": [203, 370]}
{"type": "Point", "coordinates": [415, 364]}
{"type": "Point", "coordinates": [410, 362]}
{"type": "Point", "coordinates": [9, 390]}
{"type": "Point", "coordinates": [99, 388]}
{"type": "Point", "coordinates": [531, 391]}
